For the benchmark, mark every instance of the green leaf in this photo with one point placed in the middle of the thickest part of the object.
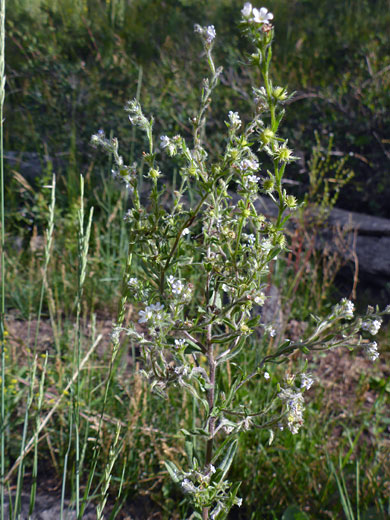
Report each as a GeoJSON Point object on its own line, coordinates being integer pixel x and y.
{"type": "Point", "coordinates": [232, 391]}
{"type": "Point", "coordinates": [189, 447]}
{"type": "Point", "coordinates": [173, 471]}
{"type": "Point", "coordinates": [233, 353]}
{"type": "Point", "coordinates": [218, 301]}
{"type": "Point", "coordinates": [228, 459]}
{"type": "Point", "coordinates": [192, 347]}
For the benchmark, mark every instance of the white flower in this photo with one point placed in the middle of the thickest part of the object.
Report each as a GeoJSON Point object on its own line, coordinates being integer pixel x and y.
{"type": "Point", "coordinates": [372, 326]}
{"type": "Point", "coordinates": [151, 313]}
{"type": "Point", "coordinates": [145, 315]}
{"type": "Point", "coordinates": [247, 164]}
{"type": "Point", "coordinates": [246, 424]}
{"type": "Point", "coordinates": [266, 375]}
{"type": "Point", "coordinates": [132, 282]}
{"type": "Point", "coordinates": [260, 299]}
{"type": "Point", "coordinates": [349, 308]}
{"type": "Point", "coordinates": [306, 381]}
{"type": "Point", "coordinates": [177, 286]}
{"type": "Point", "coordinates": [179, 343]}
{"type": "Point", "coordinates": [266, 245]}
{"type": "Point", "coordinates": [212, 469]}
{"type": "Point", "coordinates": [371, 351]}
{"type": "Point", "coordinates": [185, 231]}
{"type": "Point", "coordinates": [168, 144]}
{"type": "Point", "coordinates": [235, 119]}
{"type": "Point", "coordinates": [188, 486]}
{"type": "Point", "coordinates": [165, 141]}
{"type": "Point", "coordinates": [251, 239]}
{"type": "Point", "coordinates": [246, 11]}
{"type": "Point", "coordinates": [261, 15]}
{"type": "Point", "coordinates": [294, 404]}
{"type": "Point", "coordinates": [210, 33]}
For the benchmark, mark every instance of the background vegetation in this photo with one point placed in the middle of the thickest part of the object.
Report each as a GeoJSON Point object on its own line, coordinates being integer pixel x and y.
{"type": "Point", "coordinates": [71, 65]}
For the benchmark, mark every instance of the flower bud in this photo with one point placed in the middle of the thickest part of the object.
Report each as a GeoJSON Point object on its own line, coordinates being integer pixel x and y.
{"type": "Point", "coordinates": [284, 154]}
{"type": "Point", "coordinates": [291, 202]}
{"type": "Point", "coordinates": [268, 185]}
{"type": "Point", "coordinates": [279, 94]}
{"type": "Point", "coordinates": [154, 173]}
{"type": "Point", "coordinates": [267, 136]}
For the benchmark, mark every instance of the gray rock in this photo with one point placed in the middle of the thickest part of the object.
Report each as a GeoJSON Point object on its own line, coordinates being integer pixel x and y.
{"type": "Point", "coordinates": [372, 243]}
{"type": "Point", "coordinates": [47, 507]}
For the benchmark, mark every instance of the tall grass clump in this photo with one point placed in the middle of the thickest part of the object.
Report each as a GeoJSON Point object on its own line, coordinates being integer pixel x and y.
{"type": "Point", "coordinates": [197, 271]}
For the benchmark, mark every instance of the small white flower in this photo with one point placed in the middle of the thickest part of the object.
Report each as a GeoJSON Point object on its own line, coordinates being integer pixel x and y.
{"type": "Point", "coordinates": [165, 141]}
{"type": "Point", "coordinates": [266, 245]}
{"type": "Point", "coordinates": [145, 316]}
{"type": "Point", "coordinates": [246, 424]}
{"type": "Point", "coordinates": [260, 299]}
{"type": "Point", "coordinates": [371, 351]}
{"type": "Point", "coordinates": [177, 286]}
{"type": "Point", "coordinates": [185, 231]}
{"type": "Point", "coordinates": [132, 282]}
{"type": "Point", "coordinates": [251, 239]}
{"type": "Point", "coordinates": [246, 11]}
{"type": "Point", "coordinates": [252, 178]}
{"type": "Point", "coordinates": [235, 119]}
{"type": "Point", "coordinates": [372, 326]}
{"type": "Point", "coordinates": [306, 381]}
{"type": "Point", "coordinates": [151, 313]}
{"type": "Point", "coordinates": [266, 375]}
{"type": "Point", "coordinates": [346, 308]}
{"type": "Point", "coordinates": [179, 343]}
{"type": "Point", "coordinates": [238, 502]}
{"type": "Point", "coordinates": [212, 469]}
{"type": "Point", "coordinates": [294, 404]}
{"type": "Point", "coordinates": [188, 486]}
{"type": "Point", "coordinates": [157, 307]}
{"type": "Point", "coordinates": [210, 33]}
{"type": "Point", "coordinates": [261, 15]}
{"type": "Point", "coordinates": [168, 144]}
{"type": "Point", "coordinates": [247, 164]}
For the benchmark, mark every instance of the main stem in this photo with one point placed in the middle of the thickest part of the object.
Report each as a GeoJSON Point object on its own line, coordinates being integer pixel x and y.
{"type": "Point", "coordinates": [2, 310]}
{"type": "Point", "coordinates": [210, 400]}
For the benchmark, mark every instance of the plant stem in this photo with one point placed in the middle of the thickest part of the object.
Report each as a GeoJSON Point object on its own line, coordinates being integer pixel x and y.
{"type": "Point", "coordinates": [2, 312]}
{"type": "Point", "coordinates": [210, 400]}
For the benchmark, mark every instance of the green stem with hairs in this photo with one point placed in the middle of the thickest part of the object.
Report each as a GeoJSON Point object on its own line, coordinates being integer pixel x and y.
{"type": "Point", "coordinates": [2, 311]}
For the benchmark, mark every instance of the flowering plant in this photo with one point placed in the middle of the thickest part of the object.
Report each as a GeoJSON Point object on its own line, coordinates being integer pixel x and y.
{"type": "Point", "coordinates": [200, 272]}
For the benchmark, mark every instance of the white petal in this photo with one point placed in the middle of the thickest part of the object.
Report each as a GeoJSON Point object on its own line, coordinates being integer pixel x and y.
{"type": "Point", "coordinates": [247, 9]}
